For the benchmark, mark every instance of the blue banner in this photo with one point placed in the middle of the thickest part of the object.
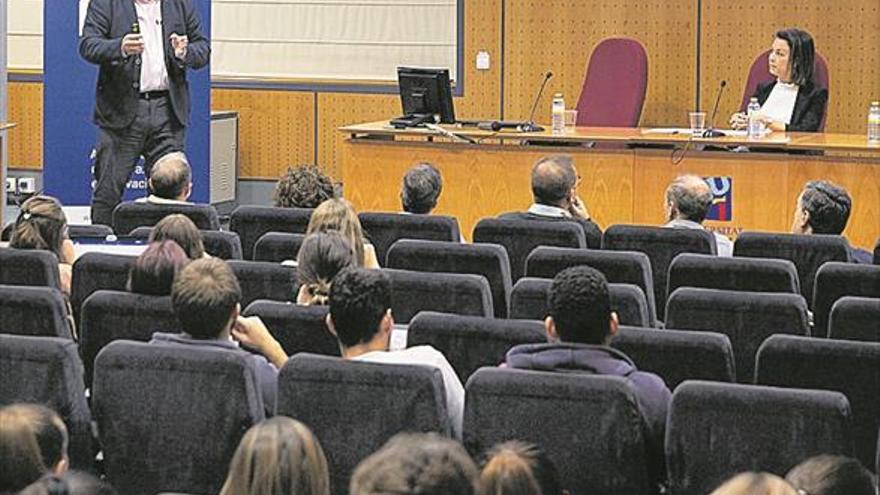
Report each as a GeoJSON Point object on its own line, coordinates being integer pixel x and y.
{"type": "Point", "coordinates": [69, 135]}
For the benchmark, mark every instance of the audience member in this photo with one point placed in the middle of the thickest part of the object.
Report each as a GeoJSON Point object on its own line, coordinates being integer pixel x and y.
{"type": "Point", "coordinates": [304, 187]}
{"type": "Point", "coordinates": [170, 181]}
{"type": "Point", "coordinates": [824, 208]}
{"type": "Point", "coordinates": [338, 215]}
{"type": "Point", "coordinates": [519, 468]}
{"type": "Point", "coordinates": [180, 229]}
{"type": "Point", "coordinates": [417, 464]}
{"type": "Point", "coordinates": [69, 483]}
{"type": "Point", "coordinates": [755, 484]}
{"type": "Point", "coordinates": [321, 256]}
{"type": "Point", "coordinates": [832, 475]}
{"type": "Point", "coordinates": [360, 317]}
{"type": "Point", "coordinates": [154, 270]}
{"type": "Point", "coordinates": [206, 298]}
{"type": "Point", "coordinates": [554, 187]}
{"type": "Point", "coordinates": [421, 189]}
{"type": "Point", "coordinates": [33, 443]}
{"type": "Point", "coordinates": [688, 201]}
{"type": "Point", "coordinates": [279, 456]}
{"type": "Point", "coordinates": [579, 328]}
{"type": "Point", "coordinates": [41, 224]}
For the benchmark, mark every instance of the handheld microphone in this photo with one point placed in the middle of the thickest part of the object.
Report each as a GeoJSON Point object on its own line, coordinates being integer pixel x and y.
{"type": "Point", "coordinates": [710, 131]}
{"type": "Point", "coordinates": [529, 126]}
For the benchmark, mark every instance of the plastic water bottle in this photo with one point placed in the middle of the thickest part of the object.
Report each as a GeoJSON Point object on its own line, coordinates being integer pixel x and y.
{"type": "Point", "coordinates": [874, 123]}
{"type": "Point", "coordinates": [557, 114]}
{"type": "Point", "coordinates": [755, 129]}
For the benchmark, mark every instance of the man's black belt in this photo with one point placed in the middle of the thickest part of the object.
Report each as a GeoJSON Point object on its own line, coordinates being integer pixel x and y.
{"type": "Point", "coordinates": [152, 95]}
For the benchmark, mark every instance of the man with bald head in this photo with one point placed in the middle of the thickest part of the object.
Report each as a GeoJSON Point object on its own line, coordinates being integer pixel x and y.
{"type": "Point", "coordinates": [554, 188]}
{"type": "Point", "coordinates": [170, 181]}
{"type": "Point", "coordinates": [688, 200]}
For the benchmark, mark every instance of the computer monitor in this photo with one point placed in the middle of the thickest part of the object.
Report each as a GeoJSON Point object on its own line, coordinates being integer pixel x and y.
{"type": "Point", "coordinates": [426, 97]}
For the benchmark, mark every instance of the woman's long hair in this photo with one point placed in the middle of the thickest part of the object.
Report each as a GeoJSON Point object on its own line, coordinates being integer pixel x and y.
{"type": "Point", "coordinates": [41, 224]}
{"type": "Point", "coordinates": [278, 456]}
{"type": "Point", "coordinates": [337, 214]}
{"type": "Point", "coordinates": [321, 256]}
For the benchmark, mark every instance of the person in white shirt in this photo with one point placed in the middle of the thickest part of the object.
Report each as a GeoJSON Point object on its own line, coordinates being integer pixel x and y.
{"type": "Point", "coordinates": [170, 181]}
{"type": "Point", "coordinates": [688, 200]}
{"type": "Point", "coordinates": [360, 317]}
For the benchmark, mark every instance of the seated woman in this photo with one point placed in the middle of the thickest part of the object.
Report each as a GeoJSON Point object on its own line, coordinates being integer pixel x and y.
{"type": "Point", "coordinates": [154, 270]}
{"type": "Point", "coordinates": [33, 443]}
{"type": "Point", "coordinates": [792, 102]}
{"type": "Point", "coordinates": [519, 468]}
{"type": "Point", "coordinates": [41, 224]}
{"type": "Point", "coordinates": [305, 186]}
{"type": "Point", "coordinates": [278, 456]}
{"type": "Point", "coordinates": [321, 257]}
{"type": "Point", "coordinates": [180, 229]}
{"type": "Point", "coordinates": [338, 215]}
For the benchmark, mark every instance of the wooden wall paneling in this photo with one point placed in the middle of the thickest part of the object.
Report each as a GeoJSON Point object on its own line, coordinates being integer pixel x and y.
{"type": "Point", "coordinates": [25, 141]}
{"type": "Point", "coordinates": [859, 176]}
{"type": "Point", "coordinates": [276, 129]}
{"type": "Point", "coordinates": [759, 176]}
{"type": "Point", "coordinates": [847, 33]}
{"type": "Point", "coordinates": [484, 183]}
{"type": "Point", "coordinates": [560, 35]}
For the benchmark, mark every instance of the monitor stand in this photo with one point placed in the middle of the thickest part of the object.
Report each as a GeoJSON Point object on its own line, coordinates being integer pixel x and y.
{"type": "Point", "coordinates": [413, 120]}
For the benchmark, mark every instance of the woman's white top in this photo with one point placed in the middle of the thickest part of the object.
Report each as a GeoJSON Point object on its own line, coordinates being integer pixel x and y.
{"type": "Point", "coordinates": [780, 103]}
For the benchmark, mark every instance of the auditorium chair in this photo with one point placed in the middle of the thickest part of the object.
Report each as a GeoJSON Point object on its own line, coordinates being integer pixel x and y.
{"type": "Point", "coordinates": [661, 245]}
{"type": "Point", "coordinates": [717, 430]}
{"type": "Point", "coordinates": [297, 328]}
{"type": "Point", "coordinates": [47, 370]}
{"type": "Point", "coordinates": [529, 301]}
{"type": "Point", "coordinates": [458, 293]}
{"type": "Point", "coordinates": [747, 318]}
{"type": "Point", "coordinates": [96, 271]}
{"type": "Point", "coordinates": [759, 73]}
{"type": "Point", "coordinates": [520, 237]}
{"type": "Point", "coordinates": [835, 280]}
{"type": "Point", "coordinates": [678, 355]}
{"type": "Point", "coordinates": [170, 417]}
{"type": "Point", "coordinates": [218, 243]}
{"type": "Point", "coordinates": [807, 252]}
{"type": "Point", "coordinates": [384, 229]}
{"type": "Point", "coordinates": [264, 280]}
{"type": "Point", "coordinates": [470, 342]}
{"type": "Point", "coordinates": [129, 215]}
{"type": "Point", "coordinates": [109, 315]}
{"type": "Point", "coordinates": [92, 230]}
{"type": "Point", "coordinates": [354, 407]}
{"type": "Point", "coordinates": [34, 311]}
{"type": "Point", "coordinates": [488, 260]}
{"type": "Point", "coordinates": [29, 267]}
{"type": "Point", "coordinates": [851, 368]}
{"type": "Point", "coordinates": [251, 222]}
{"type": "Point", "coordinates": [615, 84]}
{"type": "Point", "coordinates": [620, 267]}
{"type": "Point", "coordinates": [744, 274]}
{"type": "Point", "coordinates": [590, 426]}
{"type": "Point", "coordinates": [855, 318]}
{"type": "Point", "coordinates": [278, 246]}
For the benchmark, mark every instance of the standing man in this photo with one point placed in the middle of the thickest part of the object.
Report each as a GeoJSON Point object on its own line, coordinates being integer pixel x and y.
{"type": "Point", "coordinates": [143, 48]}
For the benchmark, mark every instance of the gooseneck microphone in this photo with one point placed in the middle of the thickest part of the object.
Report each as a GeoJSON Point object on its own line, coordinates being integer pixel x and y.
{"type": "Point", "coordinates": [710, 131]}
{"type": "Point", "coordinates": [530, 126]}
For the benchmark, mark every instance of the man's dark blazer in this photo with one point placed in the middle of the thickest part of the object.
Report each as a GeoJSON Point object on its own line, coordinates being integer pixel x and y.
{"type": "Point", "coordinates": [116, 97]}
{"type": "Point", "coordinates": [809, 106]}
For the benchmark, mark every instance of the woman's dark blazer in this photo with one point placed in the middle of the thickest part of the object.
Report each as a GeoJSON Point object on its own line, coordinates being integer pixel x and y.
{"type": "Point", "coordinates": [809, 107]}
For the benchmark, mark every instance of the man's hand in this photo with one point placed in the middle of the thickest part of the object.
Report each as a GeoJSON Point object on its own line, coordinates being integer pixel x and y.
{"type": "Point", "coordinates": [132, 44]}
{"type": "Point", "coordinates": [179, 44]}
{"type": "Point", "coordinates": [578, 208]}
{"type": "Point", "coordinates": [252, 333]}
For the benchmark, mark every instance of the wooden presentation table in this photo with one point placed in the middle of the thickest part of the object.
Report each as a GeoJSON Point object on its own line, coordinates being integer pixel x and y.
{"type": "Point", "coordinates": [3, 128]}
{"type": "Point", "coordinates": [623, 175]}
